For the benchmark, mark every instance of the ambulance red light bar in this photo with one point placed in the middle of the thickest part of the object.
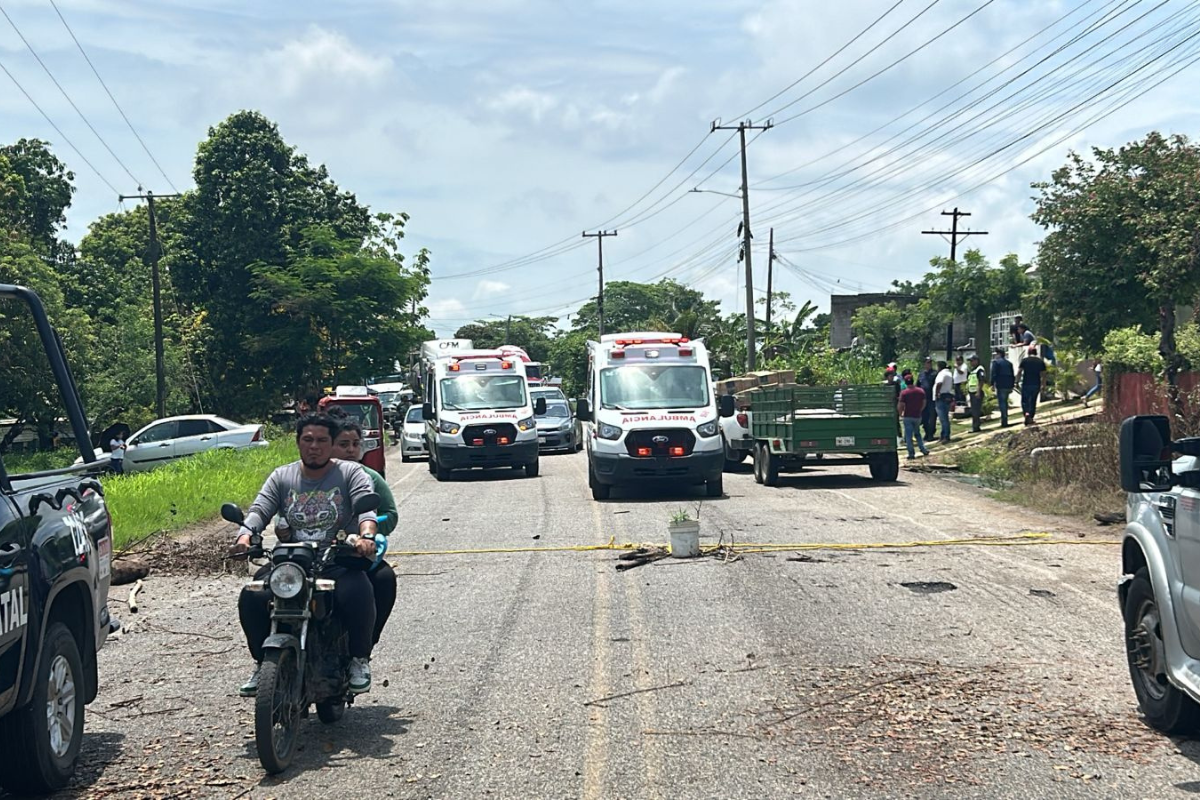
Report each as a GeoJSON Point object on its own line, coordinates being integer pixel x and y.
{"type": "Point", "coordinates": [505, 365]}
{"type": "Point", "coordinates": [618, 354]}
{"type": "Point", "coordinates": [676, 451]}
{"type": "Point", "coordinates": [643, 451]}
{"type": "Point", "coordinates": [666, 340]}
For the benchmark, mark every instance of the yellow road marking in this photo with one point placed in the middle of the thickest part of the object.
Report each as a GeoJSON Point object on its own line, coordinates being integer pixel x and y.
{"type": "Point", "coordinates": [595, 761]}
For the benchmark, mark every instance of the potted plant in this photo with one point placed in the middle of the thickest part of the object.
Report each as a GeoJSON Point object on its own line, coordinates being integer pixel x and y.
{"type": "Point", "coordinates": [685, 534]}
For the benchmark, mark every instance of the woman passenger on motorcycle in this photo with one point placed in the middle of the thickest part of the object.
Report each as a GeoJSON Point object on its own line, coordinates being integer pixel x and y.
{"type": "Point", "coordinates": [348, 446]}
{"type": "Point", "coordinates": [316, 496]}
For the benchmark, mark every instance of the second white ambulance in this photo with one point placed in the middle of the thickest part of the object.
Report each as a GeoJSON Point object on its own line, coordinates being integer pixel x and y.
{"type": "Point", "coordinates": [652, 414]}
{"type": "Point", "coordinates": [478, 412]}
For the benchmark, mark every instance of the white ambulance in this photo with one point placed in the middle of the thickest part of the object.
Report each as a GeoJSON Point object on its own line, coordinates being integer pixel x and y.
{"type": "Point", "coordinates": [478, 411]}
{"type": "Point", "coordinates": [652, 413]}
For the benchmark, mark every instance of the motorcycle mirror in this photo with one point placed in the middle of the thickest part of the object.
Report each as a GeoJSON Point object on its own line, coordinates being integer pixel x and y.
{"type": "Point", "coordinates": [232, 512]}
{"type": "Point", "coordinates": [368, 502]}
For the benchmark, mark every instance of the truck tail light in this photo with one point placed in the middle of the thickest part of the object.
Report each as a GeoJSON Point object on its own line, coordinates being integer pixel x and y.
{"type": "Point", "coordinates": [880, 441]}
{"type": "Point", "coordinates": [257, 435]}
{"type": "Point", "coordinates": [743, 420]}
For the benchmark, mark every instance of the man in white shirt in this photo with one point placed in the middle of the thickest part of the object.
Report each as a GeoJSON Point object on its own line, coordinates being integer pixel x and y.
{"type": "Point", "coordinates": [116, 458]}
{"type": "Point", "coordinates": [943, 393]}
{"type": "Point", "coordinates": [960, 379]}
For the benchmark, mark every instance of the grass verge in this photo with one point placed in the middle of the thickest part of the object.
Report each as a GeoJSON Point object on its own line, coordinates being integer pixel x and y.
{"type": "Point", "coordinates": [1068, 469]}
{"type": "Point", "coordinates": [190, 490]}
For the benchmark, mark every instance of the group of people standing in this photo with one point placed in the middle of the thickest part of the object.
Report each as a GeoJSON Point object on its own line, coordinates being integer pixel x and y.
{"type": "Point", "coordinates": [926, 401]}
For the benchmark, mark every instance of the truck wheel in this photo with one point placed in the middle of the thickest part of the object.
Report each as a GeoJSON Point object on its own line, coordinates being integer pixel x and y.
{"type": "Point", "coordinates": [600, 491]}
{"type": "Point", "coordinates": [532, 469]}
{"type": "Point", "coordinates": [1164, 706]}
{"type": "Point", "coordinates": [440, 472]}
{"type": "Point", "coordinates": [41, 741]}
{"type": "Point", "coordinates": [757, 464]}
{"type": "Point", "coordinates": [715, 487]}
{"type": "Point", "coordinates": [404, 458]}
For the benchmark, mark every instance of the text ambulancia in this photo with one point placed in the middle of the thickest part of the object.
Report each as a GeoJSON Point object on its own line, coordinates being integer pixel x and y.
{"type": "Point", "coordinates": [14, 613]}
{"type": "Point", "coordinates": [652, 413]}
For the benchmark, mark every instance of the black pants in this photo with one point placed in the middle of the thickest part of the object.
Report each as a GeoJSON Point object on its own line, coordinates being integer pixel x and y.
{"type": "Point", "coordinates": [1029, 401]}
{"type": "Point", "coordinates": [383, 582]}
{"type": "Point", "coordinates": [352, 602]}
{"type": "Point", "coordinates": [976, 400]}
{"type": "Point", "coordinates": [928, 418]}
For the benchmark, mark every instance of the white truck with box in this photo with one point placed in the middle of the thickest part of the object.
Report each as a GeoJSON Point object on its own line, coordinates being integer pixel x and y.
{"type": "Point", "coordinates": [478, 411]}
{"type": "Point", "coordinates": [651, 413]}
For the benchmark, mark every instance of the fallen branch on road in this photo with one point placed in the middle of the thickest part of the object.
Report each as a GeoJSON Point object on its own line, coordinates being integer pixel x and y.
{"type": "Point", "coordinates": [600, 701]}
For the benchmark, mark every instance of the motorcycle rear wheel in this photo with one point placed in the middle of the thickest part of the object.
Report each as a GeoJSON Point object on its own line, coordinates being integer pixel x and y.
{"type": "Point", "coordinates": [277, 710]}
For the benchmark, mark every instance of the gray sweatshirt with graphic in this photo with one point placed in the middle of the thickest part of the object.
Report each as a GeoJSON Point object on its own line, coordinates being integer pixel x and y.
{"type": "Point", "coordinates": [315, 510]}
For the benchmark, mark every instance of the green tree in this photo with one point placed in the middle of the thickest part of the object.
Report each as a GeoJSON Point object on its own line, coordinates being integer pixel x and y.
{"type": "Point", "coordinates": [44, 193]}
{"type": "Point", "coordinates": [630, 306]}
{"type": "Point", "coordinates": [529, 333]}
{"type": "Point", "coordinates": [972, 288]}
{"type": "Point", "coordinates": [1122, 246]}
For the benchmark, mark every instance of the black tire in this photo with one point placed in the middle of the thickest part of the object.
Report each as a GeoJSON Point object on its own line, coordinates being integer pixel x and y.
{"type": "Point", "coordinates": [885, 467]}
{"type": "Point", "coordinates": [770, 466]}
{"type": "Point", "coordinates": [440, 472]}
{"type": "Point", "coordinates": [276, 711]}
{"type": "Point", "coordinates": [600, 491]}
{"type": "Point", "coordinates": [33, 763]}
{"type": "Point", "coordinates": [715, 487]}
{"type": "Point", "coordinates": [430, 463]}
{"type": "Point", "coordinates": [331, 711]}
{"type": "Point", "coordinates": [758, 464]}
{"type": "Point", "coordinates": [1163, 704]}
{"type": "Point", "coordinates": [532, 469]}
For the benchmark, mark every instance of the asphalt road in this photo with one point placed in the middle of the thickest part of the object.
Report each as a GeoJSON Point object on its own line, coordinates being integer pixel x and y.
{"type": "Point", "coordinates": [998, 671]}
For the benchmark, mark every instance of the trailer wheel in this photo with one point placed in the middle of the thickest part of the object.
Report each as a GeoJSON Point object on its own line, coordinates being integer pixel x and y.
{"type": "Point", "coordinates": [767, 465]}
{"type": "Point", "coordinates": [885, 467]}
{"type": "Point", "coordinates": [757, 464]}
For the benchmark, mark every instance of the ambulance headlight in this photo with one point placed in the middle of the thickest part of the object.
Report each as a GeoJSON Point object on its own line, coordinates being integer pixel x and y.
{"type": "Point", "coordinates": [707, 429]}
{"type": "Point", "coordinates": [446, 426]}
{"type": "Point", "coordinates": [606, 431]}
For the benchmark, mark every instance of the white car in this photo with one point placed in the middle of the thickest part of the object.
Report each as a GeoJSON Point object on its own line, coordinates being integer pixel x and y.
{"type": "Point", "coordinates": [412, 435]}
{"type": "Point", "coordinates": [166, 440]}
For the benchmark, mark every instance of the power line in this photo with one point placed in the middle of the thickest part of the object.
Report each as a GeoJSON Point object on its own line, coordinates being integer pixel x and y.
{"type": "Point", "coordinates": [876, 74]}
{"type": "Point", "coordinates": [86, 121]}
{"type": "Point", "coordinates": [112, 98]}
{"type": "Point", "coordinates": [838, 52]}
{"type": "Point", "coordinates": [58, 130]}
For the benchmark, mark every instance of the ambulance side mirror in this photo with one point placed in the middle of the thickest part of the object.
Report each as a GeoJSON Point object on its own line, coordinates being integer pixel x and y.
{"type": "Point", "coordinates": [726, 405]}
{"type": "Point", "coordinates": [427, 411]}
{"type": "Point", "coordinates": [583, 412]}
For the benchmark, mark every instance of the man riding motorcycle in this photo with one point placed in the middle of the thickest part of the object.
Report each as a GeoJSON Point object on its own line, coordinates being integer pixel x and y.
{"type": "Point", "coordinates": [347, 446]}
{"type": "Point", "coordinates": [315, 496]}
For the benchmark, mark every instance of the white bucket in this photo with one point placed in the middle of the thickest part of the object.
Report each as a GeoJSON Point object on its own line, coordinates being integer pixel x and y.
{"type": "Point", "coordinates": [685, 539]}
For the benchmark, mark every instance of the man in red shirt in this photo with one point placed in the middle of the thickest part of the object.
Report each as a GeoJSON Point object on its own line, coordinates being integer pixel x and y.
{"type": "Point", "coordinates": [911, 404]}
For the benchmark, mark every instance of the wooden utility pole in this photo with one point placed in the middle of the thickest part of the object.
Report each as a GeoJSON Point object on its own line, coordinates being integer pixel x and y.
{"type": "Point", "coordinates": [770, 270]}
{"type": "Point", "coordinates": [160, 376]}
{"type": "Point", "coordinates": [954, 233]}
{"type": "Point", "coordinates": [599, 237]}
{"type": "Point", "coordinates": [741, 128]}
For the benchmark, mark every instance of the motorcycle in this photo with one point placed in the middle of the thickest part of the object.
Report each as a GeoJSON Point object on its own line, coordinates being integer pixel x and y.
{"type": "Point", "coordinates": [306, 658]}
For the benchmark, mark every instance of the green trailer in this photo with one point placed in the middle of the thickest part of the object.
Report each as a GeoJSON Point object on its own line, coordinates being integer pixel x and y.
{"type": "Point", "coordinates": [833, 426]}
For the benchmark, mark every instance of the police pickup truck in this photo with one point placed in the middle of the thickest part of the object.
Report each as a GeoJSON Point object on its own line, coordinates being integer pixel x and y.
{"type": "Point", "coordinates": [55, 562]}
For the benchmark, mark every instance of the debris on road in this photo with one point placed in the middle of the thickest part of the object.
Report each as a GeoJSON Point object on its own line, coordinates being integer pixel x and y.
{"type": "Point", "coordinates": [929, 587]}
{"type": "Point", "coordinates": [133, 593]}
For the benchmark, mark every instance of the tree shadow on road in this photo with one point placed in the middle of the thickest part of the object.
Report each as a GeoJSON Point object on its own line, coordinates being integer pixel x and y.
{"type": "Point", "coordinates": [365, 732]}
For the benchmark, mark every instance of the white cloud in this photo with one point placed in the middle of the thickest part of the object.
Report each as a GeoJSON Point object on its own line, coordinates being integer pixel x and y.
{"type": "Point", "coordinates": [323, 58]}
{"type": "Point", "coordinates": [523, 100]}
{"type": "Point", "coordinates": [486, 289]}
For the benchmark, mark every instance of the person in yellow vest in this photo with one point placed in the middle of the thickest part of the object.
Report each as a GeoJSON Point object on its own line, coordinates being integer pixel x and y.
{"type": "Point", "coordinates": [975, 384]}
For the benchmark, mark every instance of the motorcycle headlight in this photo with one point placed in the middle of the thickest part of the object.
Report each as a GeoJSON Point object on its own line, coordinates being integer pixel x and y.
{"type": "Point", "coordinates": [446, 426]}
{"type": "Point", "coordinates": [526, 424]}
{"type": "Point", "coordinates": [286, 581]}
{"type": "Point", "coordinates": [707, 429]}
{"type": "Point", "coordinates": [606, 431]}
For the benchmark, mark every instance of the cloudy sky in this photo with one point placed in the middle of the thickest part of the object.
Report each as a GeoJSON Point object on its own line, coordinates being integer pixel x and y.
{"type": "Point", "coordinates": [507, 127]}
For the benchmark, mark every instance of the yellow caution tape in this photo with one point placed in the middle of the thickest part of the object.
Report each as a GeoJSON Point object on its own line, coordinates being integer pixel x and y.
{"type": "Point", "coordinates": [1017, 540]}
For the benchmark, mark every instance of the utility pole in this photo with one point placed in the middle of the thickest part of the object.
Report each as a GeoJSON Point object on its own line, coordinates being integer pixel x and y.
{"type": "Point", "coordinates": [160, 377]}
{"type": "Point", "coordinates": [770, 270]}
{"type": "Point", "coordinates": [507, 328]}
{"type": "Point", "coordinates": [741, 128]}
{"type": "Point", "coordinates": [954, 233]}
{"type": "Point", "coordinates": [599, 237]}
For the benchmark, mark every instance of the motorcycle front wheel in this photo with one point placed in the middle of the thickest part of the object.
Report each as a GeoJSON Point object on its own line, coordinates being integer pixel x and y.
{"type": "Point", "coordinates": [277, 710]}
